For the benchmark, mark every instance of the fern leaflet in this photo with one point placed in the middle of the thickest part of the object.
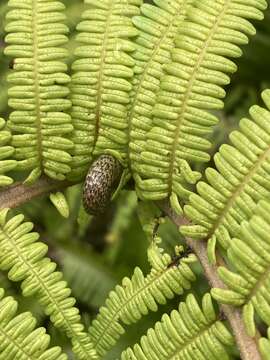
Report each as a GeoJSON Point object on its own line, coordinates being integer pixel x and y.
{"type": "Point", "coordinates": [242, 179]}
{"type": "Point", "coordinates": [264, 344]}
{"type": "Point", "coordinates": [189, 333]}
{"type": "Point", "coordinates": [23, 257]}
{"type": "Point", "coordinates": [191, 87]}
{"type": "Point", "coordinates": [18, 337]}
{"type": "Point", "coordinates": [137, 296]}
{"type": "Point", "coordinates": [6, 152]}
{"type": "Point", "coordinates": [158, 26]}
{"type": "Point", "coordinates": [39, 89]}
{"type": "Point", "coordinates": [249, 282]}
{"type": "Point", "coordinates": [101, 81]}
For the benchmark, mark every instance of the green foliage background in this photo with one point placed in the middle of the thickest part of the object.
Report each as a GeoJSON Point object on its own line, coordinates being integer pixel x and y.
{"type": "Point", "coordinates": [95, 254]}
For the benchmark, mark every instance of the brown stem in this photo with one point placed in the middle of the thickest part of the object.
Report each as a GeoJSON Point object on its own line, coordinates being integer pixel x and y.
{"type": "Point", "coordinates": [19, 194]}
{"type": "Point", "coordinates": [246, 344]}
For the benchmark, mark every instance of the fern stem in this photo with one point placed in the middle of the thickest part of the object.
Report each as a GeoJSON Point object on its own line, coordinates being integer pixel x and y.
{"type": "Point", "coordinates": [36, 84]}
{"type": "Point", "coordinates": [247, 345]}
{"type": "Point", "coordinates": [18, 194]}
{"type": "Point", "coordinates": [100, 77]}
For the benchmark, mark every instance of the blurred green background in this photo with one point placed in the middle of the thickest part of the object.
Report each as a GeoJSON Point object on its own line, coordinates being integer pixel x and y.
{"type": "Point", "coordinates": [95, 254]}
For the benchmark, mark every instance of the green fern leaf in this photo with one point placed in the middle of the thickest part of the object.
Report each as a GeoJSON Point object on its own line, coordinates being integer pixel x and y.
{"type": "Point", "coordinates": [137, 296]}
{"type": "Point", "coordinates": [39, 89]}
{"type": "Point", "coordinates": [60, 202]}
{"type": "Point", "coordinates": [158, 26]}
{"type": "Point", "coordinates": [249, 283]}
{"type": "Point", "coordinates": [264, 345]}
{"type": "Point", "coordinates": [23, 257]}
{"type": "Point", "coordinates": [102, 81]}
{"type": "Point", "coordinates": [18, 337]}
{"type": "Point", "coordinates": [193, 85]}
{"type": "Point", "coordinates": [189, 333]}
{"type": "Point", "coordinates": [6, 152]}
{"type": "Point", "coordinates": [242, 179]}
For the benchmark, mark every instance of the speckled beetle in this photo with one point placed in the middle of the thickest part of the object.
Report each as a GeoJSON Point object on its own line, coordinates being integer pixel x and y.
{"type": "Point", "coordinates": [100, 182]}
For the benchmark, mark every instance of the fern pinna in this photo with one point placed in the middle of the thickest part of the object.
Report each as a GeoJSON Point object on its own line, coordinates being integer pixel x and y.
{"type": "Point", "coordinates": [249, 282]}
{"type": "Point", "coordinates": [139, 295]}
{"type": "Point", "coordinates": [24, 259]}
{"type": "Point", "coordinates": [101, 81]}
{"type": "Point", "coordinates": [19, 338]}
{"type": "Point", "coordinates": [146, 83]}
{"type": "Point", "coordinates": [6, 152]}
{"type": "Point", "coordinates": [190, 88]}
{"type": "Point", "coordinates": [189, 333]}
{"type": "Point", "coordinates": [38, 92]}
{"type": "Point", "coordinates": [240, 181]}
{"type": "Point", "coordinates": [157, 25]}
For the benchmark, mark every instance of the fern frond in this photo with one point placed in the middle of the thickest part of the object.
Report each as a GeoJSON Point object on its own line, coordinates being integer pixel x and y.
{"type": "Point", "coordinates": [18, 337]}
{"type": "Point", "coordinates": [193, 85]}
{"type": "Point", "coordinates": [6, 152]}
{"type": "Point", "coordinates": [242, 179]}
{"type": "Point", "coordinates": [101, 81]}
{"type": "Point", "coordinates": [249, 283]}
{"type": "Point", "coordinates": [23, 257]}
{"type": "Point", "coordinates": [189, 333]}
{"type": "Point", "coordinates": [137, 296]}
{"type": "Point", "coordinates": [158, 26]}
{"type": "Point", "coordinates": [39, 89]}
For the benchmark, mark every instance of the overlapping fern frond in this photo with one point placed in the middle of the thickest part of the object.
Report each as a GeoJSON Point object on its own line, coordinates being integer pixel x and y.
{"type": "Point", "coordinates": [39, 89]}
{"type": "Point", "coordinates": [193, 85]}
{"type": "Point", "coordinates": [102, 80]}
{"type": "Point", "coordinates": [242, 179]}
{"type": "Point", "coordinates": [249, 282]}
{"type": "Point", "coordinates": [158, 26]}
{"type": "Point", "coordinates": [139, 295]}
{"type": "Point", "coordinates": [189, 333]}
{"type": "Point", "coordinates": [24, 259]}
{"type": "Point", "coordinates": [18, 337]}
{"type": "Point", "coordinates": [6, 152]}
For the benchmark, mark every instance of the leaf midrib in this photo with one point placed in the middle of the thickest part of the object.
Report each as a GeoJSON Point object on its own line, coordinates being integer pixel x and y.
{"type": "Point", "coordinates": [101, 74]}
{"type": "Point", "coordinates": [148, 64]}
{"type": "Point", "coordinates": [122, 306]}
{"type": "Point", "coordinates": [36, 72]}
{"type": "Point", "coordinates": [188, 94]}
{"type": "Point", "coordinates": [239, 189]}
